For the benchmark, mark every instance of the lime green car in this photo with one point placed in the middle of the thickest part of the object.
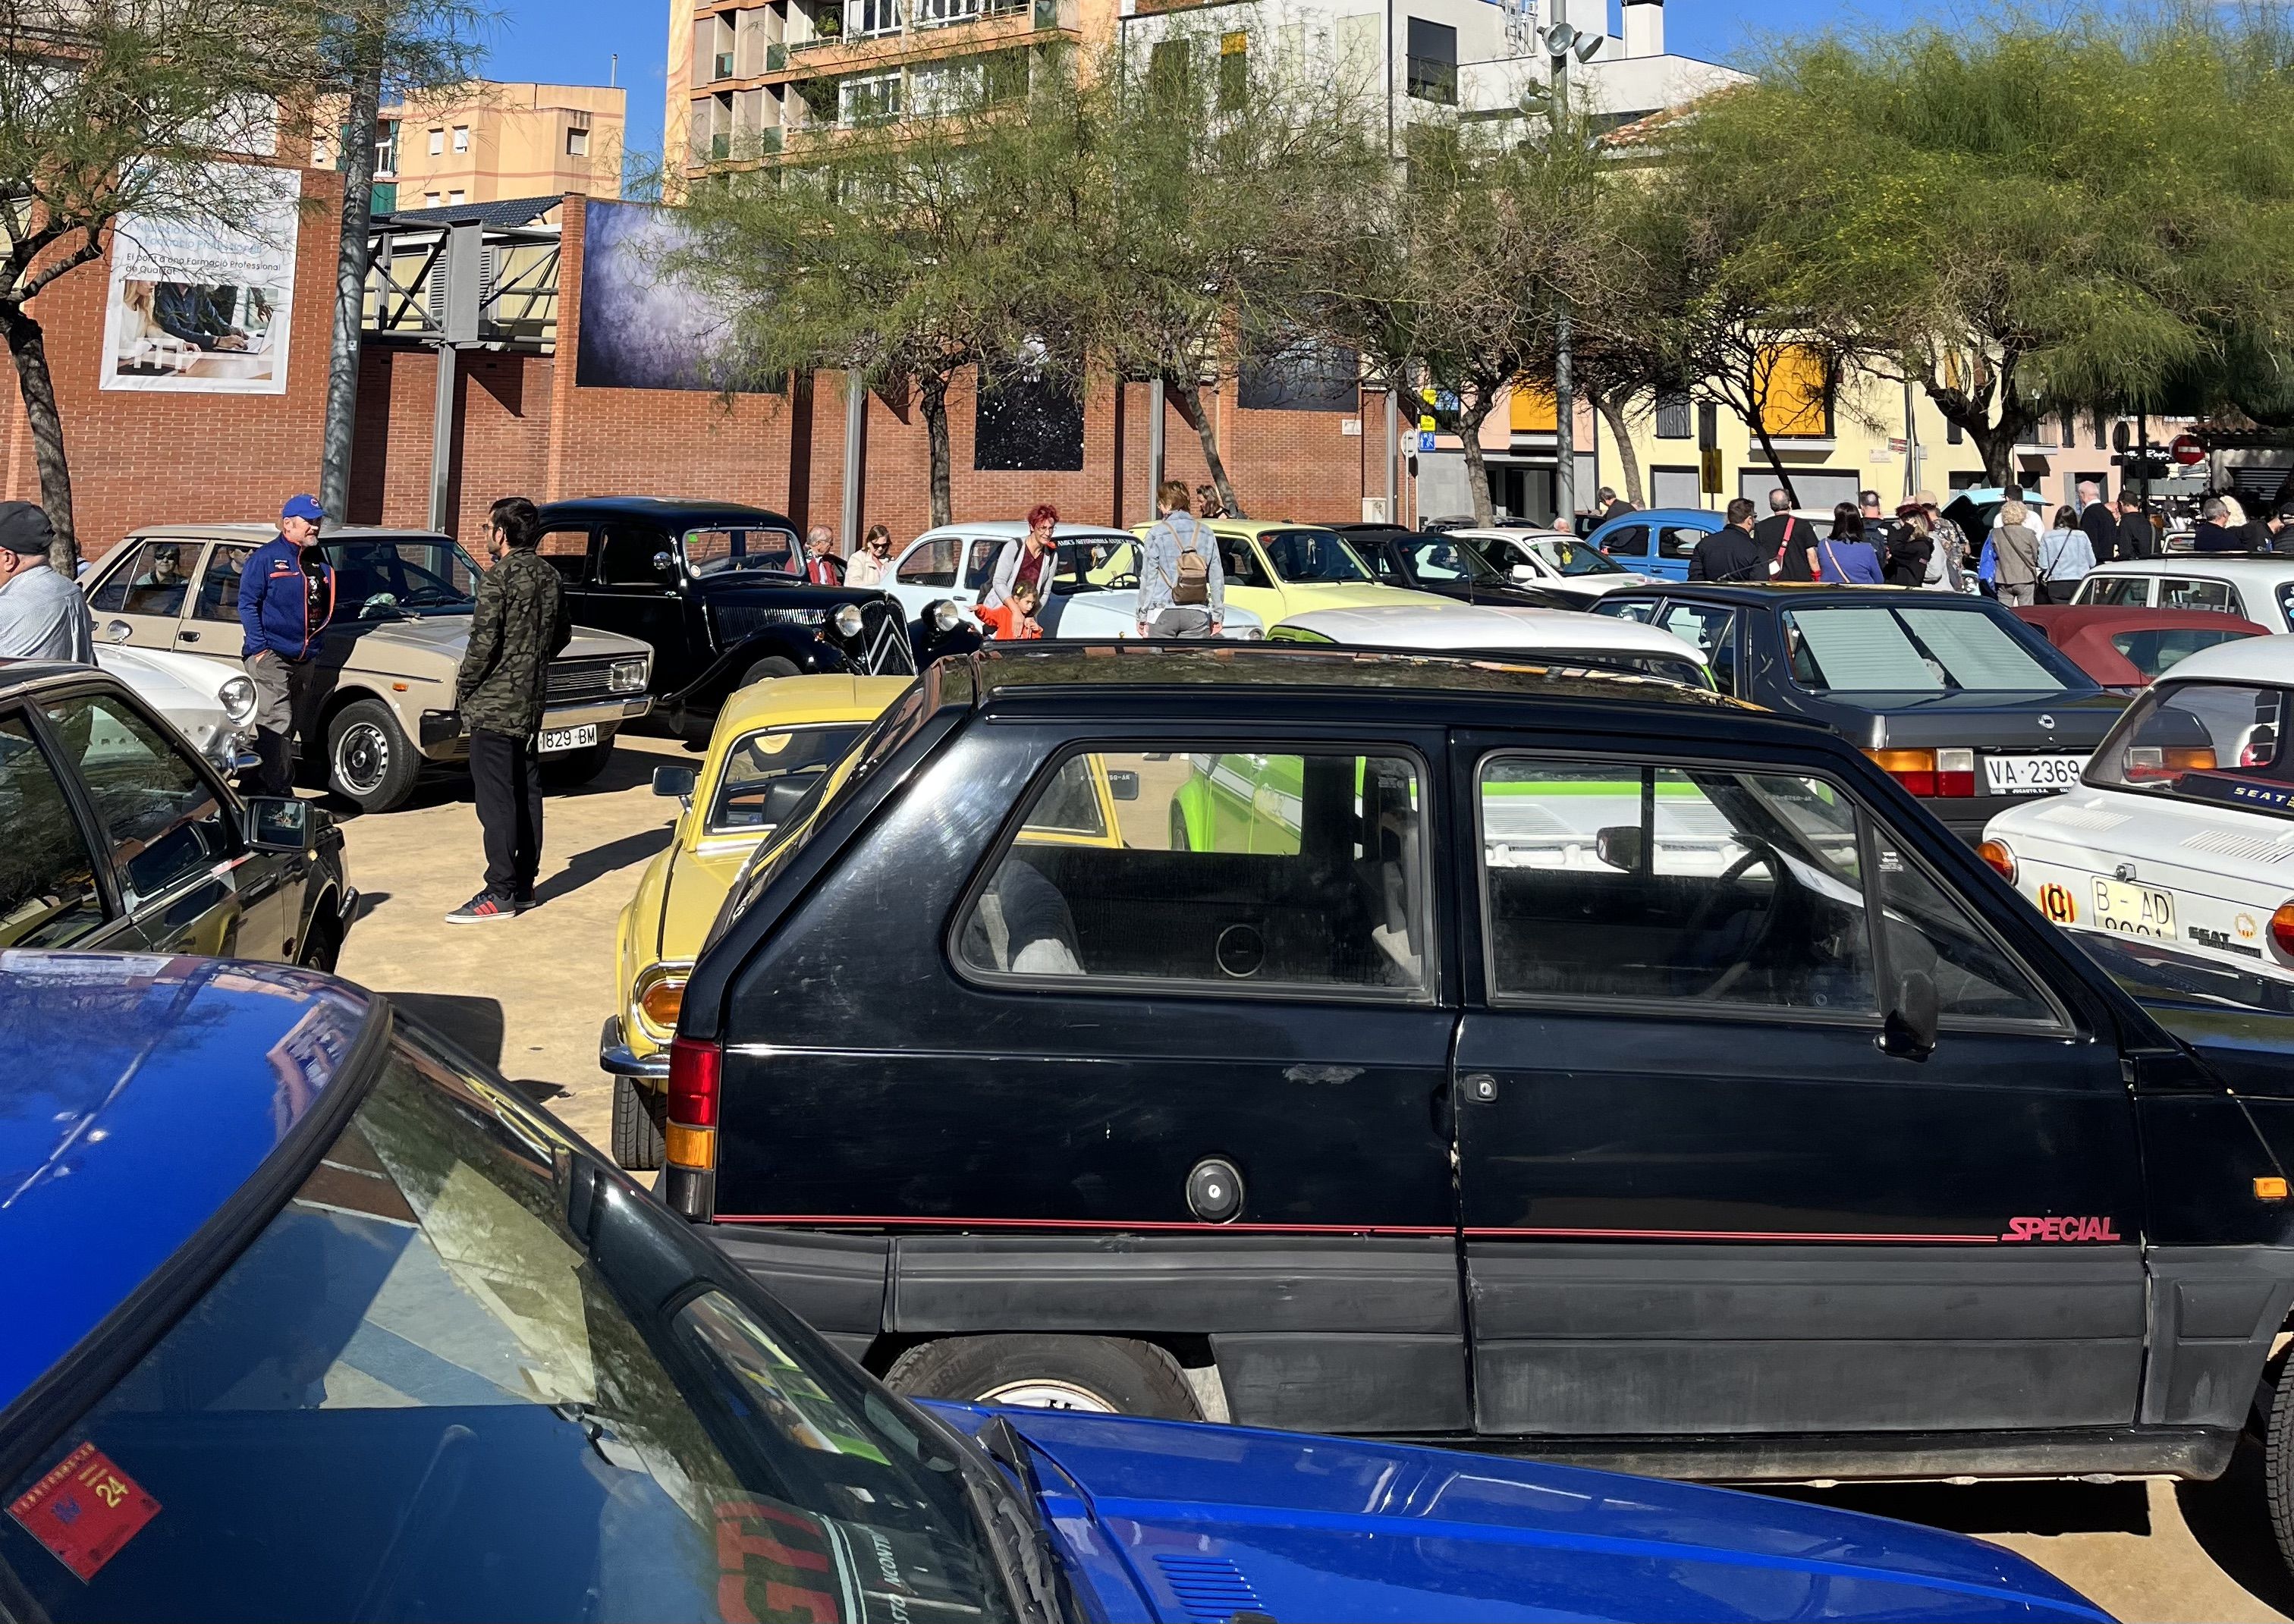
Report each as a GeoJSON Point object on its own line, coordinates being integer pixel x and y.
{"type": "Point", "coordinates": [1277, 569]}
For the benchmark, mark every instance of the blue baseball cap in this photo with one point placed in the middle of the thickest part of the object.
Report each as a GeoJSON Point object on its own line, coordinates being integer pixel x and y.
{"type": "Point", "coordinates": [303, 508]}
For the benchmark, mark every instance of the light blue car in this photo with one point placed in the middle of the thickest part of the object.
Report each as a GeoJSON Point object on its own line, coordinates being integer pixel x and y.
{"type": "Point", "coordinates": [1656, 541]}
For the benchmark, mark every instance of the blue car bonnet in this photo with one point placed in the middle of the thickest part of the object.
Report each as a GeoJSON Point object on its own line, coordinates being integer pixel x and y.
{"type": "Point", "coordinates": [143, 1094]}
{"type": "Point", "coordinates": [1209, 1521]}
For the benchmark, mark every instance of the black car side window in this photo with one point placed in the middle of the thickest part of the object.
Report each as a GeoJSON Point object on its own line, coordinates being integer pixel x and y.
{"type": "Point", "coordinates": [567, 551]}
{"type": "Point", "coordinates": [1239, 872]}
{"type": "Point", "coordinates": [1932, 932]}
{"type": "Point", "coordinates": [1682, 886]}
{"type": "Point", "coordinates": [48, 896]}
{"type": "Point", "coordinates": [626, 553]}
{"type": "Point", "coordinates": [165, 821]}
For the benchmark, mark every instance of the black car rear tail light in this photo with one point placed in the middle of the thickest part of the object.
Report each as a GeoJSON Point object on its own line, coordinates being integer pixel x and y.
{"type": "Point", "coordinates": [1930, 774]}
{"type": "Point", "coordinates": [695, 1072]}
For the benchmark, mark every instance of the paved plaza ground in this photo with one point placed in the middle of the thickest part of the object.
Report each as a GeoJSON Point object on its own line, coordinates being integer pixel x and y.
{"type": "Point", "coordinates": [531, 993]}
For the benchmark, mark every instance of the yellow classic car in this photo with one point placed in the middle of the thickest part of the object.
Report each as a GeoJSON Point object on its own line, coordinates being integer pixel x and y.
{"type": "Point", "coordinates": [1276, 569]}
{"type": "Point", "coordinates": [772, 742]}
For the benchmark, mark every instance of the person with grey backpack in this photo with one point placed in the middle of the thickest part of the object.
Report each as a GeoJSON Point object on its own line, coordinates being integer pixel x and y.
{"type": "Point", "coordinates": [1182, 587]}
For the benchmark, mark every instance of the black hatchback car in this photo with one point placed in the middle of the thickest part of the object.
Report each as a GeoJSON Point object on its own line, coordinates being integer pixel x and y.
{"type": "Point", "coordinates": [117, 836]}
{"type": "Point", "coordinates": [1968, 707]}
{"type": "Point", "coordinates": [1448, 566]}
{"type": "Point", "coordinates": [718, 590]}
{"type": "Point", "coordinates": [1585, 1064]}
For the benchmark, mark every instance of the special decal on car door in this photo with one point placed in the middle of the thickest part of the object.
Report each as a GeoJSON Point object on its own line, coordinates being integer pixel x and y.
{"type": "Point", "coordinates": [2060, 1229]}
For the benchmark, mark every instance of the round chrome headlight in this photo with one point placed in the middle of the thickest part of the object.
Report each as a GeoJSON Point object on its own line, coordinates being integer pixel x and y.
{"type": "Point", "coordinates": [946, 617]}
{"type": "Point", "coordinates": [846, 621]}
{"type": "Point", "coordinates": [238, 696]}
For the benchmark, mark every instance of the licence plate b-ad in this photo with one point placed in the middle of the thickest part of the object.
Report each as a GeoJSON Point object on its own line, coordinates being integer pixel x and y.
{"type": "Point", "coordinates": [2135, 910]}
{"type": "Point", "coordinates": [2032, 774]}
{"type": "Point", "coordinates": [555, 739]}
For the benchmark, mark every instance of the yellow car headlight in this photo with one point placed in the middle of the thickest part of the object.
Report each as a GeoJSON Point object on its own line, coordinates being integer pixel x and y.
{"type": "Point", "coordinates": [660, 996]}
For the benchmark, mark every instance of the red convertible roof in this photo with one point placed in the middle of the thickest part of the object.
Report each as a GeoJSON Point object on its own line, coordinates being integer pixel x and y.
{"type": "Point", "coordinates": [2086, 633]}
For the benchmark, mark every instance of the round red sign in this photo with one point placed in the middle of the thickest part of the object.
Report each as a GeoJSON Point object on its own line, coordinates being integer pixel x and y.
{"type": "Point", "coordinates": [2187, 449]}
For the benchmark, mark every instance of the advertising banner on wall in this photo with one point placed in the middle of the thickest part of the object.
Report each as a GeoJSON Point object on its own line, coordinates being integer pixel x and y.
{"type": "Point", "coordinates": [641, 327]}
{"type": "Point", "coordinates": [199, 308]}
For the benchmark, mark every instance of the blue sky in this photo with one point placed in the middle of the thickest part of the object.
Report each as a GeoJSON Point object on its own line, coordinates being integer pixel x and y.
{"type": "Point", "coordinates": [573, 41]}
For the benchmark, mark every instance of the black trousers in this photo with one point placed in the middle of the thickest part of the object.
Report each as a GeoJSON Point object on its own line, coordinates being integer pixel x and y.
{"type": "Point", "coordinates": [505, 771]}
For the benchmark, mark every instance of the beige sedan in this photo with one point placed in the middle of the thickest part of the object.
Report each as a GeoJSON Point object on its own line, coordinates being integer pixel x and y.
{"type": "Point", "coordinates": [402, 602]}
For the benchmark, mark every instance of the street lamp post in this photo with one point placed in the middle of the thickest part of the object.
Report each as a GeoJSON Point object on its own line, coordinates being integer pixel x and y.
{"type": "Point", "coordinates": [1562, 43]}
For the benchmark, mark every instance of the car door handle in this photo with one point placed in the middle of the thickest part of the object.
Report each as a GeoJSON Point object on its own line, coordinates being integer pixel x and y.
{"type": "Point", "coordinates": [187, 636]}
{"type": "Point", "coordinates": [1481, 1088]}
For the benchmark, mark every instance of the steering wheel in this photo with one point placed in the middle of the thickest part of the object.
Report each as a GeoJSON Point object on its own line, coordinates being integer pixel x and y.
{"type": "Point", "coordinates": [1773, 916]}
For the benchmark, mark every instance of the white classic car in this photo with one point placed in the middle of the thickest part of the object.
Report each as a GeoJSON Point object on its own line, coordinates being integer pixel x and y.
{"type": "Point", "coordinates": [209, 703]}
{"type": "Point", "coordinates": [1094, 590]}
{"type": "Point", "coordinates": [1552, 559]}
{"type": "Point", "coordinates": [2179, 841]}
{"type": "Point", "coordinates": [1545, 637]}
{"type": "Point", "coordinates": [2254, 587]}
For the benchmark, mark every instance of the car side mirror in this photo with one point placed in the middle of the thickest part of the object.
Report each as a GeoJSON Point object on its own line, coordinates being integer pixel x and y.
{"type": "Point", "coordinates": [1914, 1018]}
{"type": "Point", "coordinates": [1123, 785]}
{"type": "Point", "coordinates": [1522, 572]}
{"type": "Point", "coordinates": [675, 781]}
{"type": "Point", "coordinates": [281, 824]}
{"type": "Point", "coordinates": [1622, 847]}
{"type": "Point", "coordinates": [117, 631]}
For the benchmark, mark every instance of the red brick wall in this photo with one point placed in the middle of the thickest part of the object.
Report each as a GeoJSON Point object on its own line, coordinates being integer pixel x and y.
{"type": "Point", "coordinates": [526, 427]}
{"type": "Point", "coordinates": [141, 459]}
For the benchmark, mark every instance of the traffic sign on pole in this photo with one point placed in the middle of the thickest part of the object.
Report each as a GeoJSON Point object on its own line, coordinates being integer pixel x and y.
{"type": "Point", "coordinates": [2188, 449]}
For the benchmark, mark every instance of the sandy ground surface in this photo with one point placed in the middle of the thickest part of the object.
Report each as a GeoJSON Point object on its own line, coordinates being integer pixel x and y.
{"type": "Point", "coordinates": [533, 993]}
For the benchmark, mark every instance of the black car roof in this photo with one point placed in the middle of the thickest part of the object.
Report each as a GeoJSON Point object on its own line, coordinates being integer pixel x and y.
{"type": "Point", "coordinates": [998, 676]}
{"type": "Point", "coordinates": [662, 508]}
{"type": "Point", "coordinates": [1789, 597]}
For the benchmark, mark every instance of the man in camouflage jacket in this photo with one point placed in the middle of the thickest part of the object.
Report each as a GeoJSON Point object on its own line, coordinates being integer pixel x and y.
{"type": "Point", "coordinates": [520, 624]}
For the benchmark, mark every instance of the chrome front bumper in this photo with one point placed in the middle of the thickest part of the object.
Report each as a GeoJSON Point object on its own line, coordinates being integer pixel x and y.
{"type": "Point", "coordinates": [616, 1059]}
{"type": "Point", "coordinates": [446, 737]}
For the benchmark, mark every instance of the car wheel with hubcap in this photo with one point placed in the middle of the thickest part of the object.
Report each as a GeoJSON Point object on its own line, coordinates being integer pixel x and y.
{"type": "Point", "coordinates": [370, 760]}
{"type": "Point", "coordinates": [1105, 1374]}
{"type": "Point", "coordinates": [767, 669]}
{"type": "Point", "coordinates": [1180, 840]}
{"type": "Point", "coordinates": [638, 1115]}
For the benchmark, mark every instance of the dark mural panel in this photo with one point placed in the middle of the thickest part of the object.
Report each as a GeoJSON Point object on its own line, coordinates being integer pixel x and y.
{"type": "Point", "coordinates": [1304, 378]}
{"type": "Point", "coordinates": [639, 328]}
{"type": "Point", "coordinates": [1027, 425]}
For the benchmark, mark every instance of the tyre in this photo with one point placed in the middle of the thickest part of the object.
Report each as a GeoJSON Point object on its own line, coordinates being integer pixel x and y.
{"type": "Point", "coordinates": [370, 760]}
{"type": "Point", "coordinates": [766, 669]}
{"type": "Point", "coordinates": [639, 1114]}
{"type": "Point", "coordinates": [322, 946]}
{"type": "Point", "coordinates": [1107, 1373]}
{"type": "Point", "coordinates": [1179, 838]}
{"type": "Point", "coordinates": [567, 769]}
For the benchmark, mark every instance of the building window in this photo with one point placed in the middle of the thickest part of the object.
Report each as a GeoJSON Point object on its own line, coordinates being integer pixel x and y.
{"type": "Point", "coordinates": [864, 18]}
{"type": "Point", "coordinates": [455, 199]}
{"type": "Point", "coordinates": [1169, 63]}
{"type": "Point", "coordinates": [437, 144]}
{"type": "Point", "coordinates": [1672, 416]}
{"type": "Point", "coordinates": [577, 143]}
{"type": "Point", "coordinates": [386, 146]}
{"type": "Point", "coordinates": [1234, 71]}
{"type": "Point", "coordinates": [1433, 62]}
{"type": "Point", "coordinates": [1954, 434]}
{"type": "Point", "coordinates": [461, 138]}
{"type": "Point", "coordinates": [430, 200]}
{"type": "Point", "coordinates": [2101, 441]}
{"type": "Point", "coordinates": [868, 97]}
{"type": "Point", "coordinates": [1796, 392]}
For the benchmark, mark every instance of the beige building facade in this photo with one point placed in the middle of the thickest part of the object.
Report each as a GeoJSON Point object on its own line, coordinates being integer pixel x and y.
{"type": "Point", "coordinates": [489, 142]}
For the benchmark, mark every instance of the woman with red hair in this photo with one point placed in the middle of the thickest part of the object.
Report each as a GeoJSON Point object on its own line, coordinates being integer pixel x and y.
{"type": "Point", "coordinates": [1031, 558]}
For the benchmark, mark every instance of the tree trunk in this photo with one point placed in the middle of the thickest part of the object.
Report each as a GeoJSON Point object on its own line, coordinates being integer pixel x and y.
{"type": "Point", "coordinates": [1190, 392]}
{"type": "Point", "coordinates": [1477, 470]}
{"type": "Point", "coordinates": [28, 348]}
{"type": "Point", "coordinates": [1628, 459]}
{"type": "Point", "coordinates": [1775, 463]}
{"type": "Point", "coordinates": [932, 396]}
{"type": "Point", "coordinates": [352, 256]}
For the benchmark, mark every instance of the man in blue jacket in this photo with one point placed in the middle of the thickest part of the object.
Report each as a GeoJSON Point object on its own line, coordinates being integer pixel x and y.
{"type": "Point", "coordinates": [286, 598]}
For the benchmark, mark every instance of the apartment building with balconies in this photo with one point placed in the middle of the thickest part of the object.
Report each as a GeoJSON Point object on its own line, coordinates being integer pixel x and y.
{"type": "Point", "coordinates": [754, 78]}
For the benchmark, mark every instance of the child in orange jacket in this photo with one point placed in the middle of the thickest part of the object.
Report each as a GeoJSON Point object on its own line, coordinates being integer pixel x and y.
{"type": "Point", "coordinates": [1014, 622]}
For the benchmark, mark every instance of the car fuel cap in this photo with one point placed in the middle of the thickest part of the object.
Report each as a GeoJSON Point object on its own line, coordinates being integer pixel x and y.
{"type": "Point", "coordinates": [1215, 1190]}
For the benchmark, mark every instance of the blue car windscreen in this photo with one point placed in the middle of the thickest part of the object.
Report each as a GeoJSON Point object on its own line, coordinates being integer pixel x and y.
{"type": "Point", "coordinates": [419, 1395]}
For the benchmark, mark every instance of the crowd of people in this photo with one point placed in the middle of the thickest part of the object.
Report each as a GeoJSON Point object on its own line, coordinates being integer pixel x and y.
{"type": "Point", "coordinates": [2028, 556]}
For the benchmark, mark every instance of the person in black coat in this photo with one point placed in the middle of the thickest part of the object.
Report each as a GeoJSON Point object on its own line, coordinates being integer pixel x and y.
{"type": "Point", "coordinates": [2138, 537]}
{"type": "Point", "coordinates": [2098, 521]}
{"type": "Point", "coordinates": [1730, 553]}
{"type": "Point", "coordinates": [2216, 534]}
{"type": "Point", "coordinates": [1786, 539]}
